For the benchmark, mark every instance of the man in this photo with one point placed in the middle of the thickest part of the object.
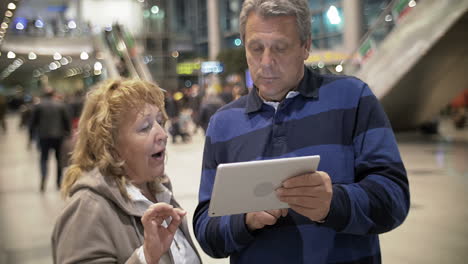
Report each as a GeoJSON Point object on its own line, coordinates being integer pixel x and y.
{"type": "Point", "coordinates": [51, 123]}
{"type": "Point", "coordinates": [361, 189]}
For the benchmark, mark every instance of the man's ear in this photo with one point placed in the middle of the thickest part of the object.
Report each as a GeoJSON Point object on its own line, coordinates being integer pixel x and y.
{"type": "Point", "coordinates": [307, 45]}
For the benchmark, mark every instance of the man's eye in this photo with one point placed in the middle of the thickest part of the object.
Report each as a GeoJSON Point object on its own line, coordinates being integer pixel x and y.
{"type": "Point", "coordinates": [256, 48]}
{"type": "Point", "coordinates": [280, 49]}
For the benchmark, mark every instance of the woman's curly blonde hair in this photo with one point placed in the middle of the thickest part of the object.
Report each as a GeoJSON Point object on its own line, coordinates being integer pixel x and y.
{"type": "Point", "coordinates": [102, 114]}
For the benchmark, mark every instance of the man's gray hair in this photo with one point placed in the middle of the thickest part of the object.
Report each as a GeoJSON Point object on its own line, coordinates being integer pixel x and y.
{"type": "Point", "coordinates": [268, 8]}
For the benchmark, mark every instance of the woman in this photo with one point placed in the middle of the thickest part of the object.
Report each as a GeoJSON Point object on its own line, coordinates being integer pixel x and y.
{"type": "Point", "coordinates": [121, 209]}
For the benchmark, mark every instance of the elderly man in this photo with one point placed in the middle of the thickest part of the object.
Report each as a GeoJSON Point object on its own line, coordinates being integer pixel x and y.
{"type": "Point", "coordinates": [361, 189]}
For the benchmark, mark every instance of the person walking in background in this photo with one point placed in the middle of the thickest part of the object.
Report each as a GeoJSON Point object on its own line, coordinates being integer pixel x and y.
{"type": "Point", "coordinates": [50, 122]}
{"type": "Point", "coordinates": [3, 111]}
{"type": "Point", "coordinates": [360, 189]}
{"type": "Point", "coordinates": [120, 207]}
{"type": "Point", "coordinates": [210, 104]}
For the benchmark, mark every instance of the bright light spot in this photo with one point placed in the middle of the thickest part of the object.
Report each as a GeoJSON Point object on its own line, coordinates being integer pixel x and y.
{"type": "Point", "coordinates": [64, 61]}
{"type": "Point", "coordinates": [412, 3]}
{"type": "Point", "coordinates": [178, 95]}
{"type": "Point", "coordinates": [53, 66]}
{"type": "Point", "coordinates": [237, 42]}
{"type": "Point", "coordinates": [175, 54]}
{"type": "Point", "coordinates": [57, 56]}
{"type": "Point", "coordinates": [19, 26]}
{"type": "Point", "coordinates": [108, 28]}
{"type": "Point", "coordinates": [321, 64]}
{"type": "Point", "coordinates": [8, 13]}
{"type": "Point", "coordinates": [69, 59]}
{"type": "Point", "coordinates": [11, 6]}
{"type": "Point", "coordinates": [388, 18]}
{"type": "Point", "coordinates": [339, 68]}
{"type": "Point", "coordinates": [39, 23]}
{"type": "Point", "coordinates": [121, 46]}
{"type": "Point", "coordinates": [4, 25]}
{"type": "Point", "coordinates": [141, 1]}
{"type": "Point", "coordinates": [97, 66]}
{"type": "Point", "coordinates": [155, 9]}
{"type": "Point", "coordinates": [333, 15]}
{"type": "Point", "coordinates": [84, 55]}
{"type": "Point", "coordinates": [97, 72]}
{"type": "Point", "coordinates": [11, 55]}
{"type": "Point", "coordinates": [32, 56]}
{"type": "Point", "coordinates": [71, 24]}
{"type": "Point", "coordinates": [57, 63]}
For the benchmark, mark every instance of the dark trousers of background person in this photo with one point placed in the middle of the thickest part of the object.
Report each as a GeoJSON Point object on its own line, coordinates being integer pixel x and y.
{"type": "Point", "coordinates": [3, 124]}
{"type": "Point", "coordinates": [46, 144]}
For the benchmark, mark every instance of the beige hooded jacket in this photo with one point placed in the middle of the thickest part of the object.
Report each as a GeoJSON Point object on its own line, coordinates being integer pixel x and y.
{"type": "Point", "coordinates": [98, 225]}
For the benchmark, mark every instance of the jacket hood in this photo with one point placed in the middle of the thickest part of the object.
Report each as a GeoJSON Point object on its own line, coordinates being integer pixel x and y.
{"type": "Point", "coordinates": [106, 187]}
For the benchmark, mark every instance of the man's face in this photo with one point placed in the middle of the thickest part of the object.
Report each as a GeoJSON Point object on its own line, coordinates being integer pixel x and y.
{"type": "Point", "coordinates": [274, 54]}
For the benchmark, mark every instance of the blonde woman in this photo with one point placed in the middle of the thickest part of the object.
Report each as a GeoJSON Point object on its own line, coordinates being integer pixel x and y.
{"type": "Point", "coordinates": [120, 207]}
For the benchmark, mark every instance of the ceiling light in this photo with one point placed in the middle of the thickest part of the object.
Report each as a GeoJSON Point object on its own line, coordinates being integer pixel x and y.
{"type": "Point", "coordinates": [53, 66]}
{"type": "Point", "coordinates": [71, 24]}
{"type": "Point", "coordinates": [11, 6]}
{"type": "Point", "coordinates": [19, 26]}
{"type": "Point", "coordinates": [57, 56]}
{"type": "Point", "coordinates": [64, 61]}
{"type": "Point", "coordinates": [339, 68]}
{"type": "Point", "coordinates": [39, 23]}
{"type": "Point", "coordinates": [32, 56]}
{"type": "Point", "coordinates": [84, 55]}
{"type": "Point", "coordinates": [97, 66]}
{"type": "Point", "coordinates": [11, 55]}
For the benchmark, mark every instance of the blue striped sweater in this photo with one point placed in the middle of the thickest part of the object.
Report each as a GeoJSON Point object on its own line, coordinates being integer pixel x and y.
{"type": "Point", "coordinates": [338, 118]}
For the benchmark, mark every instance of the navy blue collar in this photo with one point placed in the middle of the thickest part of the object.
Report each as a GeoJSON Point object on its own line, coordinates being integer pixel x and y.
{"type": "Point", "coordinates": [308, 87]}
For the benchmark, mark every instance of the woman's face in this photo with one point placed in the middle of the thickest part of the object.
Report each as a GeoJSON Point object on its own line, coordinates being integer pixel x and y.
{"type": "Point", "coordinates": [141, 143]}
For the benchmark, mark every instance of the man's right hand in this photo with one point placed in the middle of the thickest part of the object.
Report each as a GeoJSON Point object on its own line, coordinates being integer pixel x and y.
{"type": "Point", "coordinates": [257, 220]}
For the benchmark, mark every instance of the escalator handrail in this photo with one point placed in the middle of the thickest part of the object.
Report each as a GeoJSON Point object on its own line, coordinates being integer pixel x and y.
{"type": "Point", "coordinates": [378, 23]}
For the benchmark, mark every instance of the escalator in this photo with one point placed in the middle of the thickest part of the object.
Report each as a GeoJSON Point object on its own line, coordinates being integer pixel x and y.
{"type": "Point", "coordinates": [414, 58]}
{"type": "Point", "coordinates": [121, 54]}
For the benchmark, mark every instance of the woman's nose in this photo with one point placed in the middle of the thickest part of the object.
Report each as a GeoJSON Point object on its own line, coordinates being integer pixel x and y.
{"type": "Point", "coordinates": [161, 134]}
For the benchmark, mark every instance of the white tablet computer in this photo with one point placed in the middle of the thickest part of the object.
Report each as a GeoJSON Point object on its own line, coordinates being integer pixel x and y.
{"type": "Point", "coordinates": [250, 186]}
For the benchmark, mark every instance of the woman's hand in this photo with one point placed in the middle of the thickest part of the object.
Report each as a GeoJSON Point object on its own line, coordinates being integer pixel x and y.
{"type": "Point", "coordinates": [158, 238]}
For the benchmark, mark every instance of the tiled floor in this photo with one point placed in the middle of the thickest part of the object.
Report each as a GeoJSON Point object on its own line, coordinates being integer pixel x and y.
{"type": "Point", "coordinates": [434, 232]}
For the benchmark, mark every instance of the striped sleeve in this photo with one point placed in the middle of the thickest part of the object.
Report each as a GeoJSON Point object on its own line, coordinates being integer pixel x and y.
{"type": "Point", "coordinates": [378, 200]}
{"type": "Point", "coordinates": [218, 236]}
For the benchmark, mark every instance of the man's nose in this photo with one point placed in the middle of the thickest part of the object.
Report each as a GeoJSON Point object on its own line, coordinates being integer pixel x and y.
{"type": "Point", "coordinates": [267, 58]}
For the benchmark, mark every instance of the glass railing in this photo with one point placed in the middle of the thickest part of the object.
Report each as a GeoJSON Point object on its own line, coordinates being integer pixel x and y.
{"type": "Point", "coordinates": [390, 17]}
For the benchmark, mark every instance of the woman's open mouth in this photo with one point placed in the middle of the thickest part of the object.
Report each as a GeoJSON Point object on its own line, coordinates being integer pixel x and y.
{"type": "Point", "coordinates": [158, 155]}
